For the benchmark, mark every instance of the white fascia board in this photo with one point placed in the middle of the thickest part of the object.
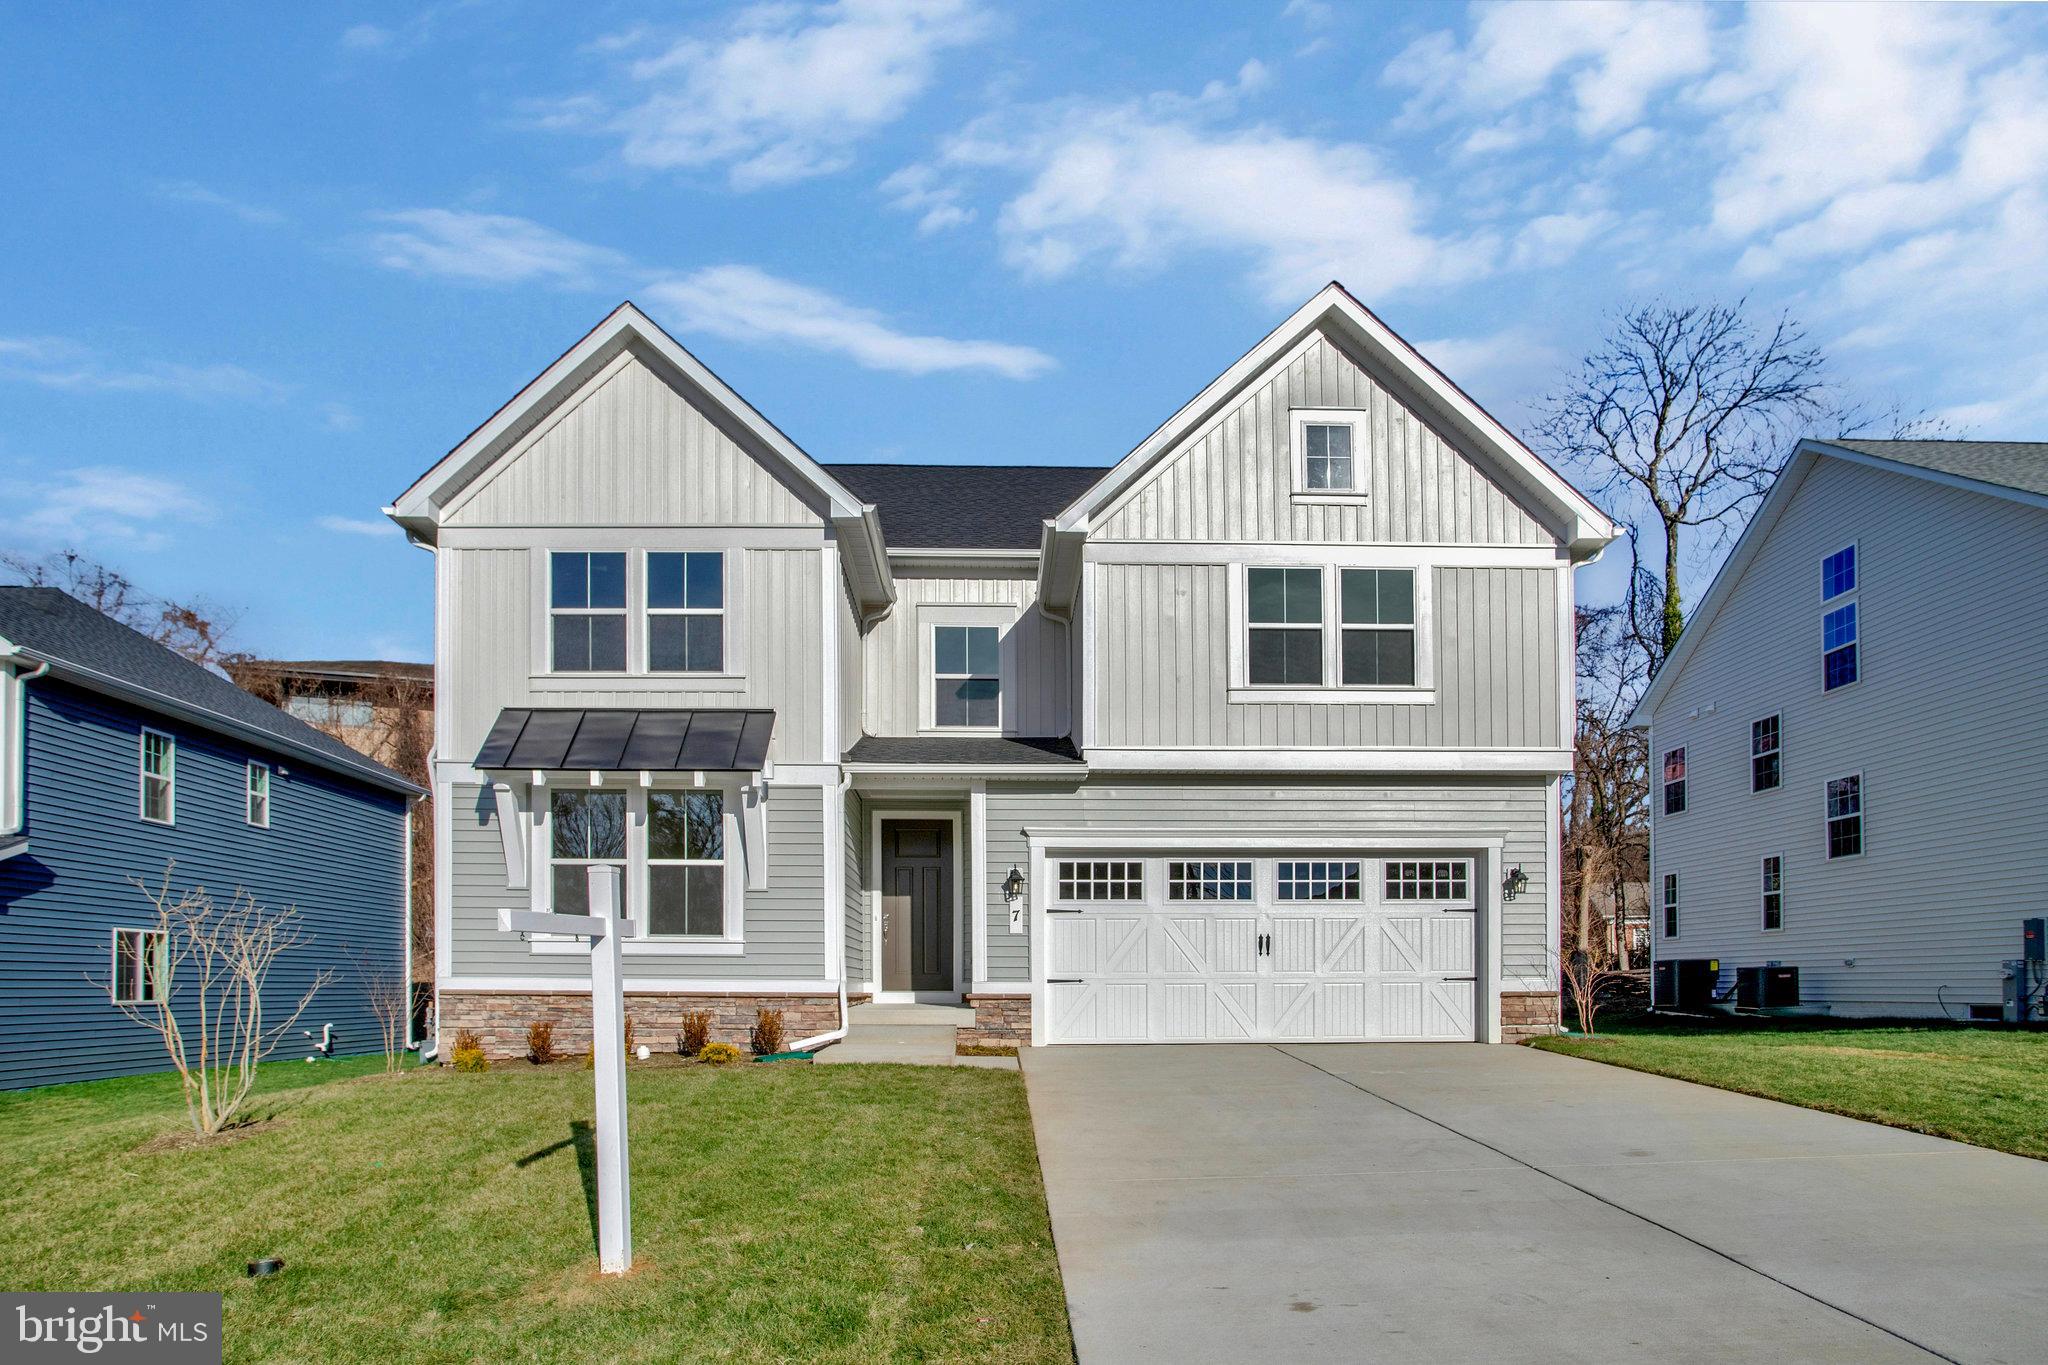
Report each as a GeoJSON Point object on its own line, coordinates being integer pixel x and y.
{"type": "Point", "coordinates": [968, 772]}
{"type": "Point", "coordinates": [1342, 762]}
{"type": "Point", "coordinates": [1589, 529]}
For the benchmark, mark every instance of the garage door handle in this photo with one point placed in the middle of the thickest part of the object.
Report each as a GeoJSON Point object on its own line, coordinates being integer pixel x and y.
{"type": "Point", "coordinates": [1063, 981]}
{"type": "Point", "coordinates": [1265, 945]}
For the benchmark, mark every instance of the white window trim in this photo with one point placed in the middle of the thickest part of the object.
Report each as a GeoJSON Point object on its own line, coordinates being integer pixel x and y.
{"type": "Point", "coordinates": [648, 612]}
{"type": "Point", "coordinates": [1862, 818]}
{"type": "Point", "coordinates": [636, 678]}
{"type": "Point", "coordinates": [114, 963]}
{"type": "Point", "coordinates": [1358, 419]}
{"type": "Point", "coordinates": [1851, 590]}
{"type": "Point", "coordinates": [1004, 619]}
{"type": "Point", "coordinates": [249, 776]}
{"type": "Point", "coordinates": [1669, 906]}
{"type": "Point", "coordinates": [1665, 784]}
{"type": "Point", "coordinates": [540, 886]}
{"type": "Point", "coordinates": [142, 776]}
{"type": "Point", "coordinates": [1334, 692]}
{"type": "Point", "coordinates": [1754, 789]}
{"type": "Point", "coordinates": [1200, 860]}
{"type": "Point", "coordinates": [547, 607]}
{"type": "Point", "coordinates": [1763, 894]}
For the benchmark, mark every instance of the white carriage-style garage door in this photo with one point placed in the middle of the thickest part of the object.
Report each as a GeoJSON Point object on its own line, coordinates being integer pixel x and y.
{"type": "Point", "coordinates": [1237, 948]}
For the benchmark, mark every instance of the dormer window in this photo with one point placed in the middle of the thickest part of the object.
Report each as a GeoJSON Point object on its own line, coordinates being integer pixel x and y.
{"type": "Point", "coordinates": [1329, 453]}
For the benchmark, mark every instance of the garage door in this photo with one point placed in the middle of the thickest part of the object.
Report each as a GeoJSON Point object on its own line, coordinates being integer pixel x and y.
{"type": "Point", "coordinates": [1216, 947]}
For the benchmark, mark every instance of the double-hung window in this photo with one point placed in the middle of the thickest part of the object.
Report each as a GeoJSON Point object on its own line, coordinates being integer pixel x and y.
{"type": "Point", "coordinates": [141, 966]}
{"type": "Point", "coordinates": [686, 611]}
{"type": "Point", "coordinates": [587, 611]}
{"type": "Point", "coordinates": [685, 863]}
{"type": "Point", "coordinates": [1674, 781]}
{"type": "Point", "coordinates": [159, 778]}
{"type": "Point", "coordinates": [1379, 627]}
{"type": "Point", "coordinates": [1328, 454]}
{"type": "Point", "coordinates": [967, 682]}
{"type": "Point", "coordinates": [1766, 764]}
{"type": "Point", "coordinates": [585, 829]}
{"type": "Point", "coordinates": [1774, 893]}
{"type": "Point", "coordinates": [1845, 816]}
{"type": "Point", "coordinates": [1284, 612]}
{"type": "Point", "coordinates": [1839, 626]}
{"type": "Point", "coordinates": [256, 796]}
{"type": "Point", "coordinates": [1671, 905]}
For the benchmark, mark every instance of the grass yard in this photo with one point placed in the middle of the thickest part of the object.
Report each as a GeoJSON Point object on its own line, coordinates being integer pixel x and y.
{"type": "Point", "coordinates": [1979, 1085]}
{"type": "Point", "coordinates": [784, 1212]}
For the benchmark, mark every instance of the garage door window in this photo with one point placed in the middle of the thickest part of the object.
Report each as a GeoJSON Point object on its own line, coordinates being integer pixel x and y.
{"type": "Point", "coordinates": [1205, 881]}
{"type": "Point", "coordinates": [1317, 881]}
{"type": "Point", "coordinates": [1106, 881]}
{"type": "Point", "coordinates": [1429, 881]}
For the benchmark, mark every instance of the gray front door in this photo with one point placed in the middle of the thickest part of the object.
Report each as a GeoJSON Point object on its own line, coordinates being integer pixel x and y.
{"type": "Point", "coordinates": [917, 905]}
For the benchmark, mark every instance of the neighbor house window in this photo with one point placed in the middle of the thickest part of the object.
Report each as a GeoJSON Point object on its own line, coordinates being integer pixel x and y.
{"type": "Point", "coordinates": [140, 966]}
{"type": "Point", "coordinates": [1326, 463]}
{"type": "Point", "coordinates": [1671, 905]}
{"type": "Point", "coordinates": [316, 709]}
{"type": "Point", "coordinates": [587, 612]}
{"type": "Point", "coordinates": [1284, 614]}
{"type": "Point", "coordinates": [1765, 769]}
{"type": "Point", "coordinates": [256, 806]}
{"type": "Point", "coordinates": [1338, 881]}
{"type": "Point", "coordinates": [1774, 892]}
{"type": "Point", "coordinates": [685, 863]}
{"type": "Point", "coordinates": [967, 686]}
{"type": "Point", "coordinates": [1102, 881]}
{"type": "Point", "coordinates": [1209, 881]}
{"type": "Point", "coordinates": [586, 829]}
{"type": "Point", "coordinates": [686, 612]}
{"type": "Point", "coordinates": [1379, 627]}
{"type": "Point", "coordinates": [1674, 781]}
{"type": "Point", "coordinates": [159, 777]}
{"type": "Point", "coordinates": [1839, 631]}
{"type": "Point", "coordinates": [1845, 816]}
{"type": "Point", "coordinates": [1428, 881]}
{"type": "Point", "coordinates": [1838, 574]}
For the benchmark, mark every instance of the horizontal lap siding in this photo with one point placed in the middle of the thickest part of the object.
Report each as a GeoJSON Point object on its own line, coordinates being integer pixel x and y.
{"type": "Point", "coordinates": [784, 925]}
{"type": "Point", "coordinates": [333, 849]}
{"type": "Point", "coordinates": [856, 893]}
{"type": "Point", "coordinates": [1034, 651]}
{"type": "Point", "coordinates": [1945, 726]}
{"type": "Point", "coordinates": [1513, 811]}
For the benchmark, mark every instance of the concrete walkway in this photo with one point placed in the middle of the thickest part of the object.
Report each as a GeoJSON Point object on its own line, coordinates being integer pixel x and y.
{"type": "Point", "coordinates": [1446, 1202]}
{"type": "Point", "coordinates": [916, 1035]}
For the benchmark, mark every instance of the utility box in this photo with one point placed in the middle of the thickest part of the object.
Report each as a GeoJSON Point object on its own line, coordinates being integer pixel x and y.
{"type": "Point", "coordinates": [1766, 988]}
{"type": "Point", "coordinates": [1685, 983]}
{"type": "Point", "coordinates": [2034, 939]}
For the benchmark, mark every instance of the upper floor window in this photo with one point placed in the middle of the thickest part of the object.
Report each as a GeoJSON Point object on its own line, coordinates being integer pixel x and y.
{"type": "Point", "coordinates": [1674, 781]}
{"type": "Point", "coordinates": [1326, 452]}
{"type": "Point", "coordinates": [1838, 574]}
{"type": "Point", "coordinates": [1766, 768]}
{"type": "Point", "coordinates": [1839, 665]}
{"type": "Point", "coordinates": [1774, 893]}
{"type": "Point", "coordinates": [587, 612]}
{"type": "Point", "coordinates": [1379, 627]}
{"type": "Point", "coordinates": [159, 777]}
{"type": "Point", "coordinates": [256, 796]}
{"type": "Point", "coordinates": [1845, 816]}
{"type": "Point", "coordinates": [1671, 905]}
{"type": "Point", "coordinates": [1284, 609]}
{"type": "Point", "coordinates": [685, 612]}
{"type": "Point", "coordinates": [141, 966]}
{"type": "Point", "coordinates": [967, 684]}
{"type": "Point", "coordinates": [1289, 637]}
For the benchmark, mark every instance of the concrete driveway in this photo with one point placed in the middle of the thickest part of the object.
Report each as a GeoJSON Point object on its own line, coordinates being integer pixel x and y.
{"type": "Point", "coordinates": [1447, 1202]}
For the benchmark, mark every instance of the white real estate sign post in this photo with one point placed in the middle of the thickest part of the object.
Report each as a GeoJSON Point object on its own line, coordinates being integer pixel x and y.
{"type": "Point", "coordinates": [608, 1047]}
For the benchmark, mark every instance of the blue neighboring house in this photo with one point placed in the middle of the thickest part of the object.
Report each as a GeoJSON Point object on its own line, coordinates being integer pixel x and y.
{"type": "Point", "coordinates": [117, 757]}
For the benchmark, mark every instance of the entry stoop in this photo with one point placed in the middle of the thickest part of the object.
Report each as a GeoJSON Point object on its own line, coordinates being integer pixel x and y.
{"type": "Point", "coordinates": [911, 1035]}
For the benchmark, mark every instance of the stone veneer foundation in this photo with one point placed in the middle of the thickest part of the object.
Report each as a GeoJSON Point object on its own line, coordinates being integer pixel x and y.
{"type": "Point", "coordinates": [999, 1021]}
{"type": "Point", "coordinates": [1527, 1014]}
{"type": "Point", "coordinates": [500, 1019]}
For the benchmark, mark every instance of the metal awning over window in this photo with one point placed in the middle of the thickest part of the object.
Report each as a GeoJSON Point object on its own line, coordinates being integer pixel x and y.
{"type": "Point", "coordinates": [625, 739]}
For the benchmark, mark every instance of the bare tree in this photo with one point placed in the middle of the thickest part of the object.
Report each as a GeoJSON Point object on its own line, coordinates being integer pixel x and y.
{"type": "Point", "coordinates": [384, 991]}
{"type": "Point", "coordinates": [197, 629]}
{"type": "Point", "coordinates": [1690, 409]}
{"type": "Point", "coordinates": [1605, 834]}
{"type": "Point", "coordinates": [1589, 985]}
{"type": "Point", "coordinates": [214, 961]}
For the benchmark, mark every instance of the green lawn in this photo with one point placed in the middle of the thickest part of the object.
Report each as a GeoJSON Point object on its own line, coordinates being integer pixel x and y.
{"type": "Point", "coordinates": [780, 1212]}
{"type": "Point", "coordinates": [1982, 1085]}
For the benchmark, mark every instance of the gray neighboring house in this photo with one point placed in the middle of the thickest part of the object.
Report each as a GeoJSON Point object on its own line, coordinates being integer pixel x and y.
{"type": "Point", "coordinates": [1255, 733]}
{"type": "Point", "coordinates": [1845, 744]}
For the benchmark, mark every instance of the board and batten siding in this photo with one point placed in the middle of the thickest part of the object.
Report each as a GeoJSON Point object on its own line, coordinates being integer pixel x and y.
{"type": "Point", "coordinates": [631, 448]}
{"type": "Point", "coordinates": [1034, 650]}
{"type": "Point", "coordinates": [1162, 638]}
{"type": "Point", "coordinates": [334, 849]}
{"type": "Point", "coordinates": [784, 925]}
{"type": "Point", "coordinates": [1945, 725]}
{"type": "Point", "coordinates": [490, 650]}
{"type": "Point", "coordinates": [1234, 481]}
{"type": "Point", "coordinates": [1512, 810]}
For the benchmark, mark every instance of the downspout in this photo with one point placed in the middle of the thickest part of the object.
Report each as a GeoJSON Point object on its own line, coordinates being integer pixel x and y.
{"type": "Point", "coordinates": [18, 741]}
{"type": "Point", "coordinates": [824, 1040]}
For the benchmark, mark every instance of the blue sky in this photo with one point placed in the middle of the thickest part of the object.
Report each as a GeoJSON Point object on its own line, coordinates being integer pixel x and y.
{"type": "Point", "coordinates": [260, 266]}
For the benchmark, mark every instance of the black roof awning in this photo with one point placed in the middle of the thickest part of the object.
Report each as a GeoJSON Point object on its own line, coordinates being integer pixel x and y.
{"type": "Point", "coordinates": [623, 739]}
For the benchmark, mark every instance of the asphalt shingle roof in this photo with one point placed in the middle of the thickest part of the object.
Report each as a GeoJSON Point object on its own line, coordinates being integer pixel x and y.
{"type": "Point", "coordinates": [53, 625]}
{"type": "Point", "coordinates": [968, 750]}
{"type": "Point", "coordinates": [2010, 464]}
{"type": "Point", "coordinates": [958, 507]}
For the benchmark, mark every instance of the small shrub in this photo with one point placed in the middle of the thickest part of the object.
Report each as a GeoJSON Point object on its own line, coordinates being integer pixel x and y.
{"type": "Point", "coordinates": [540, 1042]}
{"type": "Point", "coordinates": [629, 1035]}
{"type": "Point", "coordinates": [469, 1052]}
{"type": "Point", "coordinates": [696, 1032]}
{"type": "Point", "coordinates": [767, 1035]}
{"type": "Point", "coordinates": [590, 1057]}
{"type": "Point", "coordinates": [718, 1054]}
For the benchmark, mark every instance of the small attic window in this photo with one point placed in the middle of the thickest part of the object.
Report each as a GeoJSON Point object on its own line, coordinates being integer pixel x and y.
{"type": "Point", "coordinates": [1329, 453]}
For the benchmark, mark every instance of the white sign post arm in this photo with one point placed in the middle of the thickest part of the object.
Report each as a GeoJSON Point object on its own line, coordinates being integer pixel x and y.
{"type": "Point", "coordinates": [608, 1061]}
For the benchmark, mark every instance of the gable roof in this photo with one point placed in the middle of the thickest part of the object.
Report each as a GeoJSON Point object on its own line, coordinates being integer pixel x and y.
{"type": "Point", "coordinates": [956, 506]}
{"type": "Point", "coordinates": [97, 652]}
{"type": "Point", "coordinates": [2016, 471]}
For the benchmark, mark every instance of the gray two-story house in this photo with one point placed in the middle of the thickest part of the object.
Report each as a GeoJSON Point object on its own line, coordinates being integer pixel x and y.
{"type": "Point", "coordinates": [1255, 733]}
{"type": "Point", "coordinates": [1843, 746]}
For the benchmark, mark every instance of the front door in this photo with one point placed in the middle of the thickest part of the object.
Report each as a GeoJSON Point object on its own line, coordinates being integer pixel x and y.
{"type": "Point", "coordinates": [917, 905]}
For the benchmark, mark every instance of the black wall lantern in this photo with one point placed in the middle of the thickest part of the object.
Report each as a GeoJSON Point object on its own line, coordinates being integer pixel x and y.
{"type": "Point", "coordinates": [1013, 885]}
{"type": "Point", "coordinates": [1514, 884]}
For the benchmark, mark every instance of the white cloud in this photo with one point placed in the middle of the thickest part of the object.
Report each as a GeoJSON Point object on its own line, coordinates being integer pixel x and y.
{"type": "Point", "coordinates": [788, 91]}
{"type": "Point", "coordinates": [192, 192]}
{"type": "Point", "coordinates": [366, 38]}
{"type": "Point", "coordinates": [376, 527]}
{"type": "Point", "coordinates": [750, 305]}
{"type": "Point", "coordinates": [488, 248]}
{"type": "Point", "coordinates": [918, 189]}
{"type": "Point", "coordinates": [1515, 360]}
{"type": "Point", "coordinates": [339, 417]}
{"type": "Point", "coordinates": [94, 505]}
{"type": "Point", "coordinates": [57, 363]}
